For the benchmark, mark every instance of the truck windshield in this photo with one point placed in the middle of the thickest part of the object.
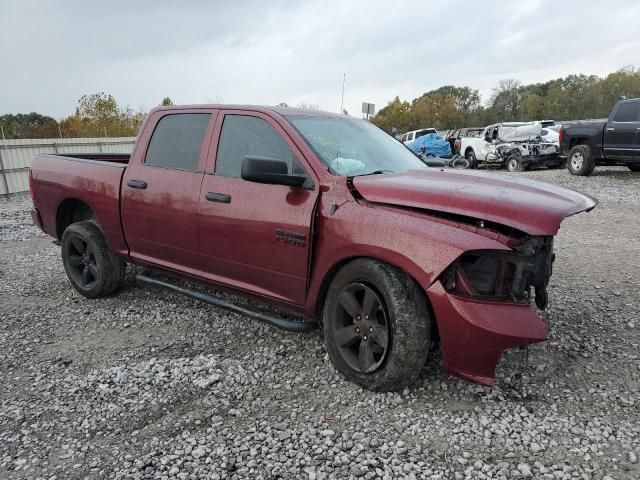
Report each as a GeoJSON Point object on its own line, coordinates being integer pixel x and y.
{"type": "Point", "coordinates": [353, 147]}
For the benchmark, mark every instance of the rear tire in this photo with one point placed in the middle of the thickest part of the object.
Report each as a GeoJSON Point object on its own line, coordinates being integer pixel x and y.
{"type": "Point", "coordinates": [93, 269]}
{"type": "Point", "coordinates": [634, 167]}
{"type": "Point", "coordinates": [377, 325]}
{"type": "Point", "coordinates": [580, 161]}
{"type": "Point", "coordinates": [471, 158]}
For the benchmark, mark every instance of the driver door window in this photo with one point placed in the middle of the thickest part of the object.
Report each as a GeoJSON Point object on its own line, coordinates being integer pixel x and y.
{"type": "Point", "coordinates": [244, 135]}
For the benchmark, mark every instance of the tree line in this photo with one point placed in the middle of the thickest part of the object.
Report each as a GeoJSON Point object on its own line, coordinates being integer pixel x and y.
{"type": "Point", "coordinates": [574, 97]}
{"type": "Point", "coordinates": [96, 115]}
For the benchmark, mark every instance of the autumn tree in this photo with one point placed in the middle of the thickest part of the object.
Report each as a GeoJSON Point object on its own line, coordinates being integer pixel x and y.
{"type": "Point", "coordinates": [396, 114]}
{"type": "Point", "coordinates": [99, 115]}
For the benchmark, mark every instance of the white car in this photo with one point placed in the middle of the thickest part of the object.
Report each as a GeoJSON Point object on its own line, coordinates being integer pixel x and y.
{"type": "Point", "coordinates": [413, 134]}
{"type": "Point", "coordinates": [523, 135]}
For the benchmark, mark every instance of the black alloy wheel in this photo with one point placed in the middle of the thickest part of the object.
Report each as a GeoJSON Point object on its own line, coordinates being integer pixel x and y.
{"type": "Point", "coordinates": [93, 269]}
{"type": "Point", "coordinates": [362, 334]}
{"type": "Point", "coordinates": [82, 262]}
{"type": "Point", "coordinates": [377, 325]}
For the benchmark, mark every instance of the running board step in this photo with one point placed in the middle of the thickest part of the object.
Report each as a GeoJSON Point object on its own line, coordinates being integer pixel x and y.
{"type": "Point", "coordinates": [278, 322]}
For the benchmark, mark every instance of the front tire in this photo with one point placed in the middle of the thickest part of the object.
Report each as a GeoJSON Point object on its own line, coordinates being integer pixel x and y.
{"type": "Point", "coordinates": [514, 164]}
{"type": "Point", "coordinates": [93, 269]}
{"type": "Point", "coordinates": [580, 161]}
{"type": "Point", "coordinates": [634, 167]}
{"type": "Point", "coordinates": [377, 325]}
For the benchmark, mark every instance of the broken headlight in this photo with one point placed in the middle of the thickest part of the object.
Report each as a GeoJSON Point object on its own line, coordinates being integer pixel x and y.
{"type": "Point", "coordinates": [504, 276]}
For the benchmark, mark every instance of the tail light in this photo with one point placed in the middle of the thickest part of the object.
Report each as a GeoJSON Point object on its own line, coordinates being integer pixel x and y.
{"type": "Point", "coordinates": [31, 186]}
{"type": "Point", "coordinates": [560, 135]}
{"type": "Point", "coordinates": [503, 276]}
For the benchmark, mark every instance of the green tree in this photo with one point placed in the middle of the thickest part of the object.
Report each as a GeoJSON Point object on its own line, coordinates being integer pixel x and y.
{"type": "Point", "coordinates": [507, 98]}
{"type": "Point", "coordinates": [166, 101]}
{"type": "Point", "coordinates": [465, 99]}
{"type": "Point", "coordinates": [436, 110]}
{"type": "Point", "coordinates": [28, 125]}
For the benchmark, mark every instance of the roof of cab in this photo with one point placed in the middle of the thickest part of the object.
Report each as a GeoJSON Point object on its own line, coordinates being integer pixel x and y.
{"type": "Point", "coordinates": [285, 111]}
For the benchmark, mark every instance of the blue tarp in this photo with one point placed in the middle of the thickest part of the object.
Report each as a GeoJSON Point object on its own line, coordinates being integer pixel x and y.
{"type": "Point", "coordinates": [431, 144]}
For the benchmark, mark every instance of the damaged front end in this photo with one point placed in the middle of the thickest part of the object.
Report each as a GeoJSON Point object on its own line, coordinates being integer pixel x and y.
{"type": "Point", "coordinates": [482, 301]}
{"type": "Point", "coordinates": [504, 276]}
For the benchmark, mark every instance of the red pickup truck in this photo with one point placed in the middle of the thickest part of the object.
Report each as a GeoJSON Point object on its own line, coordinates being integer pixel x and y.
{"type": "Point", "coordinates": [322, 215]}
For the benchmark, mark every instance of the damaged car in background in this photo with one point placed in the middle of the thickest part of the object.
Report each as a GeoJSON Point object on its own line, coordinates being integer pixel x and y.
{"type": "Point", "coordinates": [517, 146]}
{"type": "Point", "coordinates": [322, 215]}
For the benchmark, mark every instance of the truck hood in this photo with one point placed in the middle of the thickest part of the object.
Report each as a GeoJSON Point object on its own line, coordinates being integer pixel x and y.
{"type": "Point", "coordinates": [536, 208]}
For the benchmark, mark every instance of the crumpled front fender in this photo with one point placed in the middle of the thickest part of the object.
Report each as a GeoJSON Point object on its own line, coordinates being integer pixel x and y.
{"type": "Point", "coordinates": [473, 334]}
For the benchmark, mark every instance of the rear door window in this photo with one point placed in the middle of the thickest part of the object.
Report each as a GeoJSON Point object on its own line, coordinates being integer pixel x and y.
{"type": "Point", "coordinates": [177, 140]}
{"type": "Point", "coordinates": [244, 135]}
{"type": "Point", "coordinates": [627, 112]}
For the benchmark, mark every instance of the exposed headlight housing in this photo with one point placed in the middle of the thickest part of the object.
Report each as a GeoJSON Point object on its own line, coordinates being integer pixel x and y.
{"type": "Point", "coordinates": [504, 276]}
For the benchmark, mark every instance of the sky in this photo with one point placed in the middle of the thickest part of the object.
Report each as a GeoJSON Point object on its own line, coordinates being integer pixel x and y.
{"type": "Point", "coordinates": [267, 52]}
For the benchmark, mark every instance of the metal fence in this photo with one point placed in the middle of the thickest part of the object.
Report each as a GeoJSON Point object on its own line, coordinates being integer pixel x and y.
{"type": "Point", "coordinates": [16, 155]}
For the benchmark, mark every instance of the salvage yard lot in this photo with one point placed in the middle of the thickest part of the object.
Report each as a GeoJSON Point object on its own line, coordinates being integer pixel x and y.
{"type": "Point", "coordinates": [147, 384]}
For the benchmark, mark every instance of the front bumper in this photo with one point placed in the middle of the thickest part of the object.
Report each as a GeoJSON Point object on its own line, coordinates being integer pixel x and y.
{"type": "Point", "coordinates": [474, 334]}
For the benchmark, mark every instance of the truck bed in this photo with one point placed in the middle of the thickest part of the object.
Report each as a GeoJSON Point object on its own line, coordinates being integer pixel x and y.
{"type": "Point", "coordinates": [91, 178]}
{"type": "Point", "coordinates": [100, 157]}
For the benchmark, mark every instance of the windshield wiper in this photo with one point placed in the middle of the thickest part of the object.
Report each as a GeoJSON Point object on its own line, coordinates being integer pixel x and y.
{"type": "Point", "coordinates": [375, 172]}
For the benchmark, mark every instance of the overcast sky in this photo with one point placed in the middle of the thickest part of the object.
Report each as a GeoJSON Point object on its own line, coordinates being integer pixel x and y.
{"type": "Point", "coordinates": [266, 52]}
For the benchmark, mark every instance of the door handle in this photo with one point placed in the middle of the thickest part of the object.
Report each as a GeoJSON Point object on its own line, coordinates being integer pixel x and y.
{"type": "Point", "coordinates": [141, 184]}
{"type": "Point", "coordinates": [218, 197]}
{"type": "Point", "coordinates": [610, 129]}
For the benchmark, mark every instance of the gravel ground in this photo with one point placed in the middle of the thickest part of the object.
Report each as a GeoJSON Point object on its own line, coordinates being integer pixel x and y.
{"type": "Point", "coordinates": [147, 384]}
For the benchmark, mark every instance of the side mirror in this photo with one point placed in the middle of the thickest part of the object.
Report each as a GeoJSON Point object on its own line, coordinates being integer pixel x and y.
{"type": "Point", "coordinates": [269, 170]}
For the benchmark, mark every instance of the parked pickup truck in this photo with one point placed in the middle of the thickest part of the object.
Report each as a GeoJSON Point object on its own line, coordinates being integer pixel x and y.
{"type": "Point", "coordinates": [614, 142]}
{"type": "Point", "coordinates": [322, 215]}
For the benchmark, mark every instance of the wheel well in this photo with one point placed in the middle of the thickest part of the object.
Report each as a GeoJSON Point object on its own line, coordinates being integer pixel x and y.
{"type": "Point", "coordinates": [326, 282]}
{"type": "Point", "coordinates": [578, 141]}
{"type": "Point", "coordinates": [71, 211]}
{"type": "Point", "coordinates": [468, 150]}
{"type": "Point", "coordinates": [329, 276]}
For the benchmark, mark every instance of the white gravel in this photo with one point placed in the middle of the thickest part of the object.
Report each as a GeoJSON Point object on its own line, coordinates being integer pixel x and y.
{"type": "Point", "coordinates": [15, 218]}
{"type": "Point", "coordinates": [150, 385]}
